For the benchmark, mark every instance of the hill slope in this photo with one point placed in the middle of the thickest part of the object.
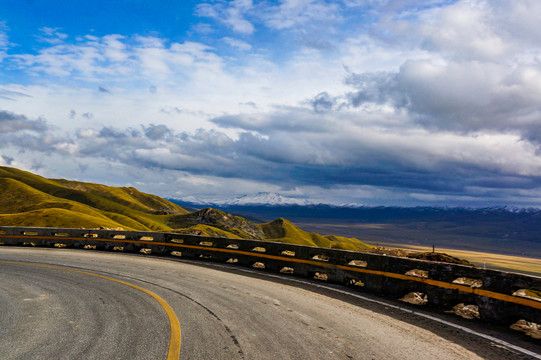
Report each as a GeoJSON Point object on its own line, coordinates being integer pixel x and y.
{"type": "Point", "coordinates": [84, 204]}
{"type": "Point", "coordinates": [284, 231]}
{"type": "Point", "coordinates": [27, 199]}
{"type": "Point", "coordinates": [501, 230]}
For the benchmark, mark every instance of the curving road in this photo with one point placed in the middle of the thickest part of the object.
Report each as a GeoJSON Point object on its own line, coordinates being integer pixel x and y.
{"type": "Point", "coordinates": [65, 311]}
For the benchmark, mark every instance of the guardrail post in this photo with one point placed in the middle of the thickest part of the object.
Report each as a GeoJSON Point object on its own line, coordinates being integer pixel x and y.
{"type": "Point", "coordinates": [493, 290]}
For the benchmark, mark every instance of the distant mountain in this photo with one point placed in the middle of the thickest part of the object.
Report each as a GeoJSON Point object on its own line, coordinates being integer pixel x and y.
{"type": "Point", "coordinates": [31, 200]}
{"type": "Point", "coordinates": [259, 199]}
{"type": "Point", "coordinates": [370, 214]}
{"type": "Point", "coordinates": [213, 222]}
{"type": "Point", "coordinates": [266, 198]}
{"type": "Point", "coordinates": [507, 230]}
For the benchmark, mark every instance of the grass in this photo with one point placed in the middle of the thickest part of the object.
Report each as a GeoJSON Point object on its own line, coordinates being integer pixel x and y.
{"type": "Point", "coordinates": [510, 254]}
{"type": "Point", "coordinates": [27, 199]}
{"type": "Point", "coordinates": [282, 230]}
{"type": "Point", "coordinates": [30, 200]}
{"type": "Point", "coordinates": [207, 230]}
{"type": "Point", "coordinates": [59, 217]}
{"type": "Point", "coordinates": [490, 260]}
{"type": "Point", "coordinates": [22, 192]}
{"type": "Point", "coordinates": [212, 222]}
{"type": "Point", "coordinates": [236, 225]}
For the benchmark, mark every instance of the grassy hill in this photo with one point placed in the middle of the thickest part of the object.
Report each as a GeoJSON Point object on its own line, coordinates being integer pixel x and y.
{"type": "Point", "coordinates": [27, 199]}
{"type": "Point", "coordinates": [235, 225]}
{"type": "Point", "coordinates": [284, 231]}
{"type": "Point", "coordinates": [212, 222]}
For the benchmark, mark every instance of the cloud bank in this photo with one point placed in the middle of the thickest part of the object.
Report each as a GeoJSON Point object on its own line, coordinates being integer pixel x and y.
{"type": "Point", "coordinates": [396, 103]}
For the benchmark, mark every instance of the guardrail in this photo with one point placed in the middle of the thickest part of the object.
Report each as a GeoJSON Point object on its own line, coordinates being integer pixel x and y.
{"type": "Point", "coordinates": [501, 297]}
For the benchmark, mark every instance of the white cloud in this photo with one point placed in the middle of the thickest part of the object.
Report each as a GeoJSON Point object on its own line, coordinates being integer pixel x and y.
{"type": "Point", "coordinates": [231, 14]}
{"type": "Point", "coordinates": [357, 161]}
{"type": "Point", "coordinates": [52, 35]}
{"type": "Point", "coordinates": [463, 97]}
{"type": "Point", "coordinates": [189, 76]}
{"type": "Point", "coordinates": [114, 48]}
{"type": "Point", "coordinates": [236, 43]}
{"type": "Point", "coordinates": [520, 20]}
{"type": "Point", "coordinates": [298, 15]}
{"type": "Point", "coordinates": [467, 31]}
{"type": "Point", "coordinates": [431, 101]}
{"type": "Point", "coordinates": [116, 58]}
{"type": "Point", "coordinates": [4, 40]}
{"type": "Point", "coordinates": [203, 28]}
{"type": "Point", "coordinates": [295, 13]}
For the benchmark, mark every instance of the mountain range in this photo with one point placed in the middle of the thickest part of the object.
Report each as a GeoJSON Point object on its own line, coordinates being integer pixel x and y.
{"type": "Point", "coordinates": [27, 199]}
{"type": "Point", "coordinates": [261, 198]}
{"type": "Point", "coordinates": [503, 230]}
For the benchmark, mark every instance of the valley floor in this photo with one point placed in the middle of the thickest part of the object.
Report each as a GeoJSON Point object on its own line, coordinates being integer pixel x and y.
{"type": "Point", "coordinates": [520, 256]}
{"type": "Point", "coordinates": [511, 263]}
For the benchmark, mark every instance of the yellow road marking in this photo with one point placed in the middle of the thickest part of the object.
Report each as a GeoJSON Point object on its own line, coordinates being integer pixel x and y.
{"type": "Point", "coordinates": [463, 288]}
{"type": "Point", "coordinates": [174, 340]}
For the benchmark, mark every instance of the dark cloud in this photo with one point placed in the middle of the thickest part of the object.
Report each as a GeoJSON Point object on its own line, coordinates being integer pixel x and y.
{"type": "Point", "coordinates": [10, 123]}
{"type": "Point", "coordinates": [285, 119]}
{"type": "Point", "coordinates": [156, 132]}
{"type": "Point", "coordinates": [249, 104]}
{"type": "Point", "coordinates": [109, 142]}
{"type": "Point", "coordinates": [36, 166]}
{"type": "Point", "coordinates": [103, 90]}
{"type": "Point", "coordinates": [88, 115]}
{"type": "Point", "coordinates": [338, 158]}
{"type": "Point", "coordinates": [323, 102]}
{"type": "Point", "coordinates": [170, 110]}
{"type": "Point", "coordinates": [7, 159]}
{"type": "Point", "coordinates": [271, 150]}
{"type": "Point", "coordinates": [118, 134]}
{"type": "Point", "coordinates": [202, 152]}
{"type": "Point", "coordinates": [378, 87]}
{"type": "Point", "coordinates": [461, 97]}
{"type": "Point", "coordinates": [33, 135]}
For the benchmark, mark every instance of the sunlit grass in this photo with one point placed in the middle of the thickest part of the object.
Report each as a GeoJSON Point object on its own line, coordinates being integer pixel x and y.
{"type": "Point", "coordinates": [490, 260]}
{"type": "Point", "coordinates": [30, 200]}
{"type": "Point", "coordinates": [282, 230]}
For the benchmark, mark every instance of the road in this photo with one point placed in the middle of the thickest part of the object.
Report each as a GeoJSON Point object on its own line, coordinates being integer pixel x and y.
{"type": "Point", "coordinates": [98, 305]}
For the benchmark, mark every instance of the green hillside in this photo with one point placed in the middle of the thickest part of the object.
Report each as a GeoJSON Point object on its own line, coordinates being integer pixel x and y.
{"type": "Point", "coordinates": [208, 221]}
{"type": "Point", "coordinates": [235, 225]}
{"type": "Point", "coordinates": [27, 199]}
{"type": "Point", "coordinates": [284, 231]}
{"type": "Point", "coordinates": [84, 204]}
{"type": "Point", "coordinates": [59, 217]}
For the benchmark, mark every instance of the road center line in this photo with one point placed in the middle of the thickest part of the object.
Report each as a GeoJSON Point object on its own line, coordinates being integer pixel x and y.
{"type": "Point", "coordinates": [174, 340]}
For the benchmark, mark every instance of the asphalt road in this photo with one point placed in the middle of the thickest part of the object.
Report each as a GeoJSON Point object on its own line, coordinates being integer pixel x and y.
{"type": "Point", "coordinates": [58, 313]}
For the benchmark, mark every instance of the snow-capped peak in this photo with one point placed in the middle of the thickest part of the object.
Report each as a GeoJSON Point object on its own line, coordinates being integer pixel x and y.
{"type": "Point", "coordinates": [266, 198]}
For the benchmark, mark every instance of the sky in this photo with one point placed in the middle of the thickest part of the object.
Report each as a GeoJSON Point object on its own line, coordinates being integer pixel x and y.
{"type": "Point", "coordinates": [369, 102]}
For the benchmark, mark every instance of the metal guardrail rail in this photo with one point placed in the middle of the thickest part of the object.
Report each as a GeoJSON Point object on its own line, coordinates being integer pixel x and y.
{"type": "Point", "coordinates": [496, 293]}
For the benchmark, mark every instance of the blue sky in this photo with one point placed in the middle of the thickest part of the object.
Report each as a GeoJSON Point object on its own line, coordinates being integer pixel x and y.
{"type": "Point", "coordinates": [171, 18]}
{"type": "Point", "coordinates": [377, 102]}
